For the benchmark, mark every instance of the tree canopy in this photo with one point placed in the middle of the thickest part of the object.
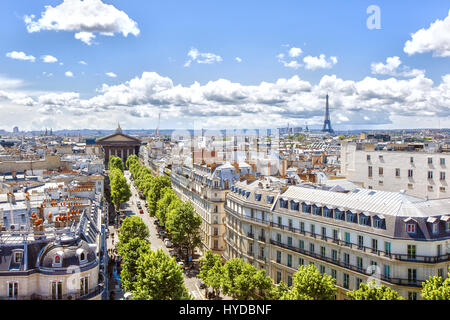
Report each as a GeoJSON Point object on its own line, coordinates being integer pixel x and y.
{"type": "Point", "coordinates": [435, 288]}
{"type": "Point", "coordinates": [169, 201]}
{"type": "Point", "coordinates": [133, 227]}
{"type": "Point", "coordinates": [130, 252]}
{"type": "Point", "coordinates": [154, 194]}
{"type": "Point", "coordinates": [159, 277]}
{"type": "Point", "coordinates": [310, 284]}
{"type": "Point", "coordinates": [115, 163]}
{"type": "Point", "coordinates": [120, 190]}
{"type": "Point", "coordinates": [372, 292]}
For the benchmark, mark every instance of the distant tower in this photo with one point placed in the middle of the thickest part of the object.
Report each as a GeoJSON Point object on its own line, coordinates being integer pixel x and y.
{"type": "Point", "coordinates": [118, 129]}
{"type": "Point", "coordinates": [327, 122]}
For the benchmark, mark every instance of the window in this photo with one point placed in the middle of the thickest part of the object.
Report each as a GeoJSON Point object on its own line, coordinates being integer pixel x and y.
{"type": "Point", "coordinates": [322, 251]}
{"type": "Point", "coordinates": [430, 174]}
{"type": "Point", "coordinates": [441, 176]}
{"type": "Point", "coordinates": [280, 222]}
{"type": "Point", "coordinates": [441, 189]}
{"type": "Point", "coordinates": [430, 188]}
{"type": "Point", "coordinates": [434, 228]}
{"type": "Point", "coordinates": [380, 171]}
{"type": "Point", "coordinates": [289, 260]}
{"type": "Point", "coordinates": [411, 160]}
{"type": "Point", "coordinates": [301, 244]}
{"type": "Point", "coordinates": [442, 161]}
{"type": "Point", "coordinates": [334, 255]}
{"type": "Point", "coordinates": [358, 283]}
{"type": "Point", "coordinates": [370, 171]}
{"type": "Point", "coordinates": [346, 259]}
{"type": "Point", "coordinates": [306, 208]}
{"type": "Point", "coordinates": [311, 247]}
{"type": "Point", "coordinates": [324, 233]}
{"type": "Point", "coordinates": [313, 229]}
{"type": "Point", "coordinates": [283, 203]}
{"type": "Point", "coordinates": [335, 235]}
{"type": "Point", "coordinates": [289, 241]}
{"type": "Point", "coordinates": [289, 282]}
{"type": "Point", "coordinates": [378, 223]}
{"type": "Point", "coordinates": [322, 269]}
{"type": "Point", "coordinates": [447, 226]}
{"type": "Point", "coordinates": [368, 157]}
{"type": "Point", "coordinates": [430, 160]}
{"type": "Point", "coordinates": [380, 157]}
{"type": "Point", "coordinates": [18, 257]}
{"type": "Point", "coordinates": [13, 289]}
{"type": "Point", "coordinates": [410, 173]}
{"type": "Point", "coordinates": [290, 224]}
{"type": "Point", "coordinates": [57, 290]}
{"type": "Point", "coordinates": [278, 256]}
{"type": "Point", "coordinates": [301, 261]}
{"type": "Point", "coordinates": [278, 276]}
{"type": "Point", "coordinates": [397, 172]}
{"type": "Point", "coordinates": [364, 220]}
{"type": "Point", "coordinates": [441, 273]}
{"type": "Point", "coordinates": [411, 228]}
{"type": "Point", "coordinates": [302, 227]}
{"type": "Point", "coordinates": [328, 213]}
{"type": "Point", "coordinates": [333, 273]}
{"type": "Point", "coordinates": [347, 238]}
{"type": "Point", "coordinates": [411, 251]}
{"type": "Point", "coordinates": [317, 210]}
{"type": "Point", "coordinates": [412, 295]}
{"type": "Point", "coordinates": [412, 275]}
{"type": "Point", "coordinates": [387, 248]}
{"type": "Point", "coordinates": [360, 242]}
{"type": "Point", "coordinates": [346, 280]}
{"type": "Point", "coordinates": [278, 237]}
{"type": "Point", "coordinates": [295, 205]}
{"type": "Point", "coordinates": [387, 271]}
{"type": "Point", "coordinates": [374, 245]}
{"type": "Point", "coordinates": [359, 263]}
{"type": "Point", "coordinates": [339, 215]}
{"type": "Point", "coordinates": [351, 217]}
{"type": "Point", "coordinates": [84, 286]}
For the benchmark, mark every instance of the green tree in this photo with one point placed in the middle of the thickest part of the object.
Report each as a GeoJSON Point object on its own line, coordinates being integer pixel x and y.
{"type": "Point", "coordinates": [168, 196]}
{"type": "Point", "coordinates": [243, 281]}
{"type": "Point", "coordinates": [130, 252]}
{"type": "Point", "coordinates": [310, 284]}
{"type": "Point", "coordinates": [154, 194]}
{"type": "Point", "coordinates": [277, 291]}
{"type": "Point", "coordinates": [372, 292]}
{"type": "Point", "coordinates": [120, 190]}
{"type": "Point", "coordinates": [159, 277]}
{"type": "Point", "coordinates": [207, 262]}
{"type": "Point", "coordinates": [115, 163]}
{"type": "Point", "coordinates": [184, 226]}
{"type": "Point", "coordinates": [133, 227]}
{"type": "Point", "coordinates": [131, 160]}
{"type": "Point", "coordinates": [435, 288]}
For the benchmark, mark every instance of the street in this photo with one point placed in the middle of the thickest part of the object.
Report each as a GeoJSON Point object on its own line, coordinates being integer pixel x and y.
{"type": "Point", "coordinates": [192, 283]}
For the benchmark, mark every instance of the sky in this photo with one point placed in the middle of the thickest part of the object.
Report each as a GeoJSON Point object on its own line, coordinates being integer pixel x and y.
{"type": "Point", "coordinates": [90, 64]}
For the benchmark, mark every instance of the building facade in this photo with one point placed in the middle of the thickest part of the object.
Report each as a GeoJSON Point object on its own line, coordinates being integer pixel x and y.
{"type": "Point", "coordinates": [357, 236]}
{"type": "Point", "coordinates": [419, 173]}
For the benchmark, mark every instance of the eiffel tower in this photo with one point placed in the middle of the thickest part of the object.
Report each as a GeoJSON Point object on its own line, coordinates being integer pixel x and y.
{"type": "Point", "coordinates": [327, 122]}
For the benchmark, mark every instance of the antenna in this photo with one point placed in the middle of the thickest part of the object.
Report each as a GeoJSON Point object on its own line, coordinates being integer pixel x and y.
{"type": "Point", "coordinates": [157, 128]}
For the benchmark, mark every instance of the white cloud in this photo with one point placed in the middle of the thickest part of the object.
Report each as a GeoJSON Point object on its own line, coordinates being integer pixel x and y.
{"type": "Point", "coordinates": [313, 63]}
{"type": "Point", "coordinates": [223, 103]}
{"type": "Point", "coordinates": [435, 39]}
{"type": "Point", "coordinates": [49, 59]}
{"type": "Point", "coordinates": [68, 74]}
{"type": "Point", "coordinates": [295, 52]}
{"type": "Point", "coordinates": [238, 59]}
{"type": "Point", "coordinates": [202, 58]}
{"type": "Point", "coordinates": [111, 74]}
{"type": "Point", "coordinates": [19, 55]}
{"type": "Point", "coordinates": [82, 62]}
{"type": "Point", "coordinates": [85, 18]}
{"type": "Point", "coordinates": [391, 68]}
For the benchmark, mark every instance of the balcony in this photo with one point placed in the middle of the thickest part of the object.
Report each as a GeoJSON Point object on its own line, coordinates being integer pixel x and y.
{"type": "Point", "coordinates": [98, 290]}
{"type": "Point", "coordinates": [250, 235]}
{"type": "Point", "coordinates": [262, 258]}
{"type": "Point", "coordinates": [344, 264]}
{"type": "Point", "coordinates": [262, 238]}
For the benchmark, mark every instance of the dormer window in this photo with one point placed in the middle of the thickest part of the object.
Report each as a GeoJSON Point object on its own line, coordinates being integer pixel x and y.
{"type": "Point", "coordinates": [411, 228]}
{"type": "Point", "coordinates": [57, 260]}
{"type": "Point", "coordinates": [434, 228]}
{"type": "Point", "coordinates": [18, 256]}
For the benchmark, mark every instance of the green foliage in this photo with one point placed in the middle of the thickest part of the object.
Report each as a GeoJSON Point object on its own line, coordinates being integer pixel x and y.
{"type": "Point", "coordinates": [207, 262]}
{"type": "Point", "coordinates": [243, 281]}
{"type": "Point", "coordinates": [120, 190]}
{"type": "Point", "coordinates": [169, 200]}
{"type": "Point", "coordinates": [133, 159]}
{"type": "Point", "coordinates": [159, 277]}
{"type": "Point", "coordinates": [372, 292]}
{"type": "Point", "coordinates": [435, 288]}
{"type": "Point", "coordinates": [154, 194]}
{"type": "Point", "coordinates": [130, 252]}
{"type": "Point", "coordinates": [310, 284]}
{"type": "Point", "coordinates": [277, 291]}
{"type": "Point", "coordinates": [115, 163]}
{"type": "Point", "coordinates": [184, 226]}
{"type": "Point", "coordinates": [133, 227]}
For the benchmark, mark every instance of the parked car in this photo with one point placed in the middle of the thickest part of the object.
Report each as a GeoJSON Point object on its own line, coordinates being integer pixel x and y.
{"type": "Point", "coordinates": [202, 285]}
{"type": "Point", "coordinates": [156, 222]}
{"type": "Point", "coordinates": [168, 243]}
{"type": "Point", "coordinates": [181, 264]}
{"type": "Point", "coordinates": [141, 211]}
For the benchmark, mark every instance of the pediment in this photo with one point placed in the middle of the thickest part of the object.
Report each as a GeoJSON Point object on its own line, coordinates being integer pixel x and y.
{"type": "Point", "coordinates": [118, 137]}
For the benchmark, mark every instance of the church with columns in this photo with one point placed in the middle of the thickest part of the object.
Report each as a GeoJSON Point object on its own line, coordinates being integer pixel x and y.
{"type": "Point", "coordinates": [120, 145]}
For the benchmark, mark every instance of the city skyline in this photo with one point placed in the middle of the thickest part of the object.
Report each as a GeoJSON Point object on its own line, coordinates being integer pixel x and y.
{"type": "Point", "coordinates": [223, 66]}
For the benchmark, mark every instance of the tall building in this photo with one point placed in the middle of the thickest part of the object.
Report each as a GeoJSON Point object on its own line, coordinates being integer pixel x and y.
{"type": "Point", "coordinates": [357, 236]}
{"type": "Point", "coordinates": [327, 121]}
{"type": "Point", "coordinates": [418, 172]}
{"type": "Point", "coordinates": [16, 130]}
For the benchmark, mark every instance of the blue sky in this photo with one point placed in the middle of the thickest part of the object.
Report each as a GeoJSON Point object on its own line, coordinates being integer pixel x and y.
{"type": "Point", "coordinates": [256, 32]}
